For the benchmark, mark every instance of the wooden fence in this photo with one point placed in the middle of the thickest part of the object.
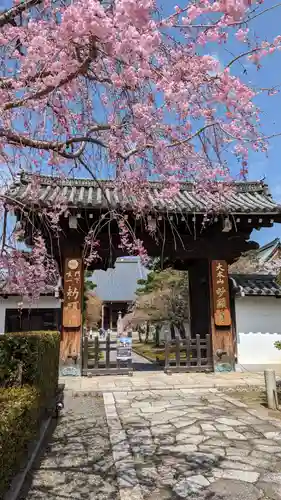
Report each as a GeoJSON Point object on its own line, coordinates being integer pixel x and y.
{"type": "Point", "coordinates": [97, 358]}
{"type": "Point", "coordinates": [185, 355]}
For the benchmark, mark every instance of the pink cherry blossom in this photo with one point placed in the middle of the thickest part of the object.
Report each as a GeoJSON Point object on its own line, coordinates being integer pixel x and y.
{"type": "Point", "coordinates": [241, 35]}
{"type": "Point", "coordinates": [29, 274]}
{"type": "Point", "coordinates": [91, 88]}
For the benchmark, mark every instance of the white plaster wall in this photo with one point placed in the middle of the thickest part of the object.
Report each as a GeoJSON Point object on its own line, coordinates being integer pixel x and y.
{"type": "Point", "coordinates": [258, 326]}
{"type": "Point", "coordinates": [12, 303]}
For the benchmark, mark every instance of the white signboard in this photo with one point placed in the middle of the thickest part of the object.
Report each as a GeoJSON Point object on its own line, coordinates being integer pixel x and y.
{"type": "Point", "coordinates": [124, 348]}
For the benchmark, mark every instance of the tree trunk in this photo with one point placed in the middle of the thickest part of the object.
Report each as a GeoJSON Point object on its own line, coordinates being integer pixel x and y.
{"type": "Point", "coordinates": [147, 333]}
{"type": "Point", "coordinates": [173, 333]}
{"type": "Point", "coordinates": [182, 331]}
{"type": "Point", "coordinates": [157, 336]}
{"type": "Point", "coordinates": [140, 336]}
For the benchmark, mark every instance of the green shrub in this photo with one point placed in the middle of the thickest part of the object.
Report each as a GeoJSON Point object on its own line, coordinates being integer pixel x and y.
{"type": "Point", "coordinates": [277, 345]}
{"type": "Point", "coordinates": [30, 358]}
{"type": "Point", "coordinates": [19, 424]}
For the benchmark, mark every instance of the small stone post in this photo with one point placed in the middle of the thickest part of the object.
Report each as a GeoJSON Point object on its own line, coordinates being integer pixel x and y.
{"type": "Point", "coordinates": [271, 390]}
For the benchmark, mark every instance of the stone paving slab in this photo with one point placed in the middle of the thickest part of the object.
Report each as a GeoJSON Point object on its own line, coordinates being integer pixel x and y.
{"type": "Point", "coordinates": [160, 381]}
{"type": "Point", "coordinates": [193, 444]}
{"type": "Point", "coordinates": [77, 463]}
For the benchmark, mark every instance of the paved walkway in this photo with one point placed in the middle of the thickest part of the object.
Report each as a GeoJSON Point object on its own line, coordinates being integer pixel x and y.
{"type": "Point", "coordinates": [159, 380]}
{"type": "Point", "coordinates": [199, 444]}
{"type": "Point", "coordinates": [159, 437]}
{"type": "Point", "coordinates": [77, 463]}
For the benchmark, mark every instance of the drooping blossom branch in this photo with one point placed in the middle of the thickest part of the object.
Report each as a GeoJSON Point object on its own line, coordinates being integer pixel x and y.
{"type": "Point", "coordinates": [28, 274]}
{"type": "Point", "coordinates": [91, 248]}
{"type": "Point", "coordinates": [129, 243]}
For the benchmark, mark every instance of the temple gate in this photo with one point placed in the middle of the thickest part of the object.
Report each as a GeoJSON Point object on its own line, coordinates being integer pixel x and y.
{"type": "Point", "coordinates": [185, 237]}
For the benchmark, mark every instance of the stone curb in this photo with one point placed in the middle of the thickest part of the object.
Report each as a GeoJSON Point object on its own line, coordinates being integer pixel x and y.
{"type": "Point", "coordinates": [129, 488]}
{"type": "Point", "coordinates": [19, 479]}
{"type": "Point", "coordinates": [223, 388]}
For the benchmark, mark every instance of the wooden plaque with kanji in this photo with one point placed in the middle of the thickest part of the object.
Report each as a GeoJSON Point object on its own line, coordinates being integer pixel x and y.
{"type": "Point", "coordinates": [221, 301]}
{"type": "Point", "coordinates": [72, 310]}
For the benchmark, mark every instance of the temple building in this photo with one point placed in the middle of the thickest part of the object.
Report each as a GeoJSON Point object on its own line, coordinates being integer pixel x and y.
{"type": "Point", "coordinates": [117, 288]}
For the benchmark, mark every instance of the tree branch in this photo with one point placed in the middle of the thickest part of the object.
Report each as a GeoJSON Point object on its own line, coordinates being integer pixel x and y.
{"type": "Point", "coordinates": [4, 230]}
{"type": "Point", "coordinates": [257, 139]}
{"type": "Point", "coordinates": [47, 90]}
{"type": "Point", "coordinates": [57, 146]}
{"type": "Point", "coordinates": [9, 15]}
{"type": "Point", "coordinates": [252, 51]}
{"type": "Point", "coordinates": [229, 25]}
{"type": "Point", "coordinates": [197, 133]}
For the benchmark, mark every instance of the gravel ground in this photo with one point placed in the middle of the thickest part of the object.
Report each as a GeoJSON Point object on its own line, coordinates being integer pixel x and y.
{"type": "Point", "coordinates": [77, 462]}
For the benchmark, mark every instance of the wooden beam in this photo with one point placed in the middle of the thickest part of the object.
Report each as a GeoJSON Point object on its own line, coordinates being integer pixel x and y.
{"type": "Point", "coordinates": [70, 349]}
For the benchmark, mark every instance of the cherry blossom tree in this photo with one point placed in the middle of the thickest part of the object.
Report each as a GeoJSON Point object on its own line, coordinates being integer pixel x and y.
{"type": "Point", "coordinates": [89, 86]}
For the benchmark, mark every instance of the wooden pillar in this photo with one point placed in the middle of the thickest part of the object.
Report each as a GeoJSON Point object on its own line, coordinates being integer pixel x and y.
{"type": "Point", "coordinates": [221, 324]}
{"type": "Point", "coordinates": [71, 341]}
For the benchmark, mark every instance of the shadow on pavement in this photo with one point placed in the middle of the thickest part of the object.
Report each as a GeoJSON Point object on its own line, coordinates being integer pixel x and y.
{"type": "Point", "coordinates": [76, 460]}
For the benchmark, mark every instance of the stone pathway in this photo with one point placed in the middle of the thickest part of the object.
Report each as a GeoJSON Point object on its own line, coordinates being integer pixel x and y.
{"type": "Point", "coordinates": [158, 380]}
{"type": "Point", "coordinates": [77, 463]}
{"type": "Point", "coordinates": [201, 444]}
{"type": "Point", "coordinates": [160, 443]}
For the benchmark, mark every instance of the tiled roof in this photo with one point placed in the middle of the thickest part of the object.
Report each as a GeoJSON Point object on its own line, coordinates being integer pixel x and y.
{"type": "Point", "coordinates": [257, 285]}
{"type": "Point", "coordinates": [246, 197]}
{"type": "Point", "coordinates": [266, 252]}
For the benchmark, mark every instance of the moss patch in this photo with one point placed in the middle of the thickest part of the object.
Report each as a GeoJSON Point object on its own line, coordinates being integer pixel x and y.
{"type": "Point", "coordinates": [155, 354]}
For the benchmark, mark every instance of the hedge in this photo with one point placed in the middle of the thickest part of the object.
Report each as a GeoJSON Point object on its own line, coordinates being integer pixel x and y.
{"type": "Point", "coordinates": [19, 423]}
{"type": "Point", "coordinates": [29, 363]}
{"type": "Point", "coordinates": [30, 358]}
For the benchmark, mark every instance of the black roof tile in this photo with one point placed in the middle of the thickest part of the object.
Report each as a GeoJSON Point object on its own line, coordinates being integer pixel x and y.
{"type": "Point", "coordinates": [246, 197]}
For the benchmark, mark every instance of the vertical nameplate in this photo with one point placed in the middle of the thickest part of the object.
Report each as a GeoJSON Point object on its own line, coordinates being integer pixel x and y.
{"type": "Point", "coordinates": [72, 308]}
{"type": "Point", "coordinates": [221, 324]}
{"type": "Point", "coordinates": [70, 351]}
{"type": "Point", "coordinates": [221, 303]}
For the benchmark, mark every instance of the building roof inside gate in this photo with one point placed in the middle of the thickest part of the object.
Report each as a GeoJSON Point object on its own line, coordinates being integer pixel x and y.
{"type": "Point", "coordinates": [257, 285]}
{"type": "Point", "coordinates": [245, 197]}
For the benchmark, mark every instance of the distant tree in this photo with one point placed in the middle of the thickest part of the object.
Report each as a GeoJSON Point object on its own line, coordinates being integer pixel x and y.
{"type": "Point", "coordinates": [89, 286]}
{"type": "Point", "coordinates": [93, 311]}
{"type": "Point", "coordinates": [250, 263]}
{"type": "Point", "coordinates": [278, 345]}
{"type": "Point", "coordinates": [163, 296]}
